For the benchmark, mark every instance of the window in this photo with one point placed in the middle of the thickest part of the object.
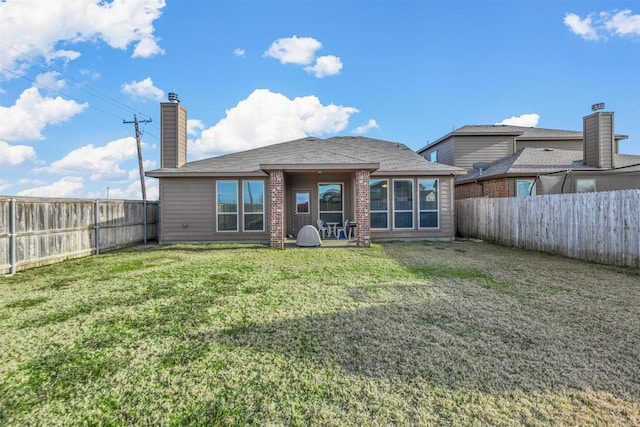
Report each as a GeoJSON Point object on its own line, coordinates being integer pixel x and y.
{"type": "Point", "coordinates": [433, 156]}
{"type": "Point", "coordinates": [525, 187]}
{"type": "Point", "coordinates": [227, 194]}
{"type": "Point", "coordinates": [403, 203]}
{"type": "Point", "coordinates": [253, 207]}
{"type": "Point", "coordinates": [428, 203]}
{"type": "Point", "coordinates": [303, 201]}
{"type": "Point", "coordinates": [585, 185]}
{"type": "Point", "coordinates": [330, 202]}
{"type": "Point", "coordinates": [379, 194]}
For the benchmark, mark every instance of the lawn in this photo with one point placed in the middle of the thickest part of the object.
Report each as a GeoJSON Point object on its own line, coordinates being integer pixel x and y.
{"type": "Point", "coordinates": [459, 333]}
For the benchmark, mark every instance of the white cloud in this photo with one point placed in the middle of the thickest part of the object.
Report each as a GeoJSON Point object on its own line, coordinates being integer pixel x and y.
{"type": "Point", "coordinates": [66, 187]}
{"type": "Point", "coordinates": [194, 126]}
{"type": "Point", "coordinates": [14, 155]}
{"type": "Point", "coordinates": [618, 23]}
{"type": "Point", "coordinates": [581, 27]}
{"type": "Point", "coordinates": [143, 89]}
{"type": "Point", "coordinates": [50, 81]}
{"type": "Point", "coordinates": [147, 47]}
{"type": "Point", "coordinates": [364, 128]}
{"type": "Point", "coordinates": [4, 184]}
{"type": "Point", "coordinates": [239, 52]}
{"type": "Point", "coordinates": [32, 112]}
{"type": "Point", "coordinates": [266, 118]}
{"type": "Point", "coordinates": [101, 163]}
{"type": "Point", "coordinates": [622, 23]}
{"type": "Point", "coordinates": [53, 22]}
{"type": "Point", "coordinates": [325, 66]}
{"type": "Point", "coordinates": [295, 50]}
{"type": "Point", "coordinates": [525, 120]}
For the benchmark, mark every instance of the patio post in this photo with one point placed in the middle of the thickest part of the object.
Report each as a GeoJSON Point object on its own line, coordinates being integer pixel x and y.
{"type": "Point", "coordinates": [276, 209]}
{"type": "Point", "coordinates": [363, 211]}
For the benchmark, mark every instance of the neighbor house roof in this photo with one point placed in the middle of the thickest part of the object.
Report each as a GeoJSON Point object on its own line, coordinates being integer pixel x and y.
{"type": "Point", "coordinates": [520, 132]}
{"type": "Point", "coordinates": [537, 161]}
{"type": "Point", "coordinates": [336, 153]}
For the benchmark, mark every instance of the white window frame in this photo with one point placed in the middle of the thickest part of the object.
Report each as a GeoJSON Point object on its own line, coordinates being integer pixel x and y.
{"type": "Point", "coordinates": [437, 210]}
{"type": "Point", "coordinates": [386, 211]}
{"type": "Point", "coordinates": [341, 212]}
{"type": "Point", "coordinates": [433, 156]}
{"type": "Point", "coordinates": [308, 193]}
{"type": "Point", "coordinates": [245, 212]}
{"type": "Point", "coordinates": [413, 204]}
{"type": "Point", "coordinates": [218, 213]}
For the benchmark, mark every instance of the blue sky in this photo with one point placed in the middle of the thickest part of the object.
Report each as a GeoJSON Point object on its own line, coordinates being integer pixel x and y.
{"type": "Point", "coordinates": [252, 73]}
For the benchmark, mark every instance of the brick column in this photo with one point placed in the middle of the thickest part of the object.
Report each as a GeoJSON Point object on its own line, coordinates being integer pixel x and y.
{"type": "Point", "coordinates": [363, 208]}
{"type": "Point", "coordinates": [276, 209]}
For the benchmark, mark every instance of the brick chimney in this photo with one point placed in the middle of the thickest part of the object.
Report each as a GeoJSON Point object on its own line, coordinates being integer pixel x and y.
{"type": "Point", "coordinates": [173, 133]}
{"type": "Point", "coordinates": [599, 140]}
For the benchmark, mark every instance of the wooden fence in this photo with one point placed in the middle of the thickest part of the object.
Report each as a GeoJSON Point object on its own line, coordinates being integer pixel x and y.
{"type": "Point", "coordinates": [38, 231]}
{"type": "Point", "coordinates": [603, 227]}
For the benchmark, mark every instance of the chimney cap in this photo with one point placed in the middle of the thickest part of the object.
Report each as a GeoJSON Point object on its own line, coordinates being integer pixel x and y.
{"type": "Point", "coordinates": [598, 106]}
{"type": "Point", "coordinates": [173, 97]}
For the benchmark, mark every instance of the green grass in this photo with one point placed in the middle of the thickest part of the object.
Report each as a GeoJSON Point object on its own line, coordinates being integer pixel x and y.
{"type": "Point", "coordinates": [462, 333]}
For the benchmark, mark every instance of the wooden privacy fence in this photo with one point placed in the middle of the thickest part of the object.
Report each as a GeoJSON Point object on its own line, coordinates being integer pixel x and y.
{"type": "Point", "coordinates": [38, 231]}
{"type": "Point", "coordinates": [603, 227]}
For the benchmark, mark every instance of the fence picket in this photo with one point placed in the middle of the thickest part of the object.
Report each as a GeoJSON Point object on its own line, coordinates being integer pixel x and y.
{"type": "Point", "coordinates": [602, 227]}
{"type": "Point", "coordinates": [51, 230]}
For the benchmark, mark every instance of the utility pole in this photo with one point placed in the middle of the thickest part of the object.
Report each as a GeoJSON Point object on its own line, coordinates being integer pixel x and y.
{"type": "Point", "coordinates": [136, 123]}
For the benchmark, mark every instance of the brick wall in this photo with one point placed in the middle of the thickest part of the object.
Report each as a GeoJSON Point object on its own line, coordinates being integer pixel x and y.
{"type": "Point", "coordinates": [276, 210]}
{"type": "Point", "coordinates": [489, 188]}
{"type": "Point", "coordinates": [363, 204]}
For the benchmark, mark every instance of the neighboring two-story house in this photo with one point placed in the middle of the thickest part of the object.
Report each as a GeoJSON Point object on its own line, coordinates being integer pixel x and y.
{"type": "Point", "coordinates": [508, 161]}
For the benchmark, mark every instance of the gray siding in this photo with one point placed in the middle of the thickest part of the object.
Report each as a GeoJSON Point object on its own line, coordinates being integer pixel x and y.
{"type": "Point", "coordinates": [187, 209]}
{"type": "Point", "coordinates": [472, 149]}
{"type": "Point", "coordinates": [444, 152]}
{"type": "Point", "coordinates": [599, 141]}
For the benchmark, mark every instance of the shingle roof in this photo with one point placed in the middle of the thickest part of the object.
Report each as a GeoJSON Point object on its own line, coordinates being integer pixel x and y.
{"type": "Point", "coordinates": [335, 153]}
{"type": "Point", "coordinates": [535, 161]}
{"type": "Point", "coordinates": [531, 162]}
{"type": "Point", "coordinates": [520, 132]}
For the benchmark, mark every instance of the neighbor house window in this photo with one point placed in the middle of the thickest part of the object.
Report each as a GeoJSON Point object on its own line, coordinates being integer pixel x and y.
{"type": "Point", "coordinates": [330, 202]}
{"type": "Point", "coordinates": [253, 207]}
{"type": "Point", "coordinates": [227, 198]}
{"type": "Point", "coordinates": [403, 203]}
{"type": "Point", "coordinates": [433, 156]}
{"type": "Point", "coordinates": [428, 203]}
{"type": "Point", "coordinates": [379, 204]}
{"type": "Point", "coordinates": [585, 185]}
{"type": "Point", "coordinates": [525, 187]}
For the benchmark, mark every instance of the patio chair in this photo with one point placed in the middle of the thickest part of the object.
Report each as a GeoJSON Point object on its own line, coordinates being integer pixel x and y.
{"type": "Point", "coordinates": [344, 229]}
{"type": "Point", "coordinates": [322, 228]}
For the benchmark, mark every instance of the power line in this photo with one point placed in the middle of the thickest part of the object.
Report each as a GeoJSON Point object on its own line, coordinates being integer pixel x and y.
{"type": "Point", "coordinates": [76, 83]}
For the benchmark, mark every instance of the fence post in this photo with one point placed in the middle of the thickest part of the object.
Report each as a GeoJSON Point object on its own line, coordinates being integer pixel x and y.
{"type": "Point", "coordinates": [145, 222]}
{"type": "Point", "coordinates": [12, 236]}
{"type": "Point", "coordinates": [96, 217]}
